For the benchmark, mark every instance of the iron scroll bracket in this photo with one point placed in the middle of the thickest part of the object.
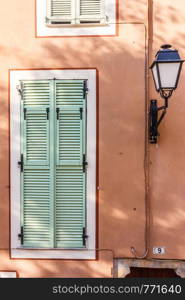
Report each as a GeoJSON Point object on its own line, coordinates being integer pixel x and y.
{"type": "Point", "coordinates": [155, 120]}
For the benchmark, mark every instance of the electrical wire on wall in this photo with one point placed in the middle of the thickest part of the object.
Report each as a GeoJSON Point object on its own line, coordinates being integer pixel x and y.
{"type": "Point", "coordinates": [146, 158]}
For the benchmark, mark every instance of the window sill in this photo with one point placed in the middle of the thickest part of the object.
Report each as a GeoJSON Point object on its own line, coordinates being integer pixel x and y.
{"type": "Point", "coordinates": [51, 249]}
{"type": "Point", "coordinates": [77, 25]}
{"type": "Point", "coordinates": [82, 254]}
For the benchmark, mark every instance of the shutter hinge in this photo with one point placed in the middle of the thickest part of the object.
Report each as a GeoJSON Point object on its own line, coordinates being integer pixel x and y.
{"type": "Point", "coordinates": [85, 89]}
{"type": "Point", "coordinates": [25, 113]}
{"type": "Point", "coordinates": [85, 163]}
{"type": "Point", "coordinates": [107, 18]}
{"type": "Point", "coordinates": [57, 111]}
{"type": "Point", "coordinates": [21, 235]}
{"type": "Point", "coordinates": [20, 90]}
{"type": "Point", "coordinates": [84, 236]}
{"type": "Point", "coordinates": [81, 113]}
{"type": "Point", "coordinates": [21, 163]}
{"type": "Point", "coordinates": [47, 111]}
{"type": "Point", "coordinates": [46, 20]}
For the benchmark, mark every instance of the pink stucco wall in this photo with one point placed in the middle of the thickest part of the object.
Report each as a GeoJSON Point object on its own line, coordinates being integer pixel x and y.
{"type": "Point", "coordinates": [120, 61]}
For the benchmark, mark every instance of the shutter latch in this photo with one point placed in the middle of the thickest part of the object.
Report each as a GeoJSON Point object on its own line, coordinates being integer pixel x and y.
{"type": "Point", "coordinates": [84, 236]}
{"type": "Point", "coordinates": [85, 88]}
{"type": "Point", "coordinates": [25, 110]}
{"type": "Point", "coordinates": [20, 90]}
{"type": "Point", "coordinates": [85, 163]}
{"type": "Point", "coordinates": [81, 113]}
{"type": "Point", "coordinates": [21, 235]}
{"type": "Point", "coordinates": [47, 112]}
{"type": "Point", "coordinates": [21, 163]}
{"type": "Point", "coordinates": [58, 112]}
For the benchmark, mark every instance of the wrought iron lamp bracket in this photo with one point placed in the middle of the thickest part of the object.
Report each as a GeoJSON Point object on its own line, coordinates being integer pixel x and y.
{"type": "Point", "coordinates": [155, 120]}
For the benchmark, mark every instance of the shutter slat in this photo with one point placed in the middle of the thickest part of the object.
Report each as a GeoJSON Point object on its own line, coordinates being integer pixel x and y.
{"type": "Point", "coordinates": [36, 129]}
{"type": "Point", "coordinates": [90, 7]}
{"type": "Point", "coordinates": [36, 213]}
{"type": "Point", "coordinates": [36, 93]}
{"type": "Point", "coordinates": [92, 11]}
{"type": "Point", "coordinates": [69, 93]}
{"type": "Point", "coordinates": [61, 8]}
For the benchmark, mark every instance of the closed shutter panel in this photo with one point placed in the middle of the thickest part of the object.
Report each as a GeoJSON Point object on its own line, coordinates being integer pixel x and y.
{"type": "Point", "coordinates": [91, 11]}
{"type": "Point", "coordinates": [70, 178]}
{"type": "Point", "coordinates": [53, 183]}
{"type": "Point", "coordinates": [36, 175]}
{"type": "Point", "coordinates": [60, 11]}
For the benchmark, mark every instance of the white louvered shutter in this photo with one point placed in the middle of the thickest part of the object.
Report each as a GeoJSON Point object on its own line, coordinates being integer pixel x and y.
{"type": "Point", "coordinates": [70, 176]}
{"type": "Point", "coordinates": [36, 172]}
{"type": "Point", "coordinates": [61, 11]}
{"type": "Point", "coordinates": [91, 11]}
{"type": "Point", "coordinates": [75, 11]}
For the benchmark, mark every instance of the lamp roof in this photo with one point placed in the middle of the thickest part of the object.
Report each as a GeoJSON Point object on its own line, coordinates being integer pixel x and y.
{"type": "Point", "coordinates": [166, 54]}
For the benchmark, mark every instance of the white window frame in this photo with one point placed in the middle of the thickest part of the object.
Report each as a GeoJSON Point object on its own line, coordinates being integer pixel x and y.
{"type": "Point", "coordinates": [17, 251]}
{"type": "Point", "coordinates": [107, 26]}
{"type": "Point", "coordinates": [8, 274]}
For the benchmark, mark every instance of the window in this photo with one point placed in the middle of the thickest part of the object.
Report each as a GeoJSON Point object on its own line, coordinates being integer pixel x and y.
{"type": "Point", "coordinates": [53, 137]}
{"type": "Point", "coordinates": [75, 12]}
{"type": "Point", "coordinates": [8, 274]}
{"type": "Point", "coordinates": [76, 17]}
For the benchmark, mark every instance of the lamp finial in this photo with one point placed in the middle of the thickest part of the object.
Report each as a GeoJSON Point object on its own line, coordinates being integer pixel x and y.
{"type": "Point", "coordinates": [166, 46]}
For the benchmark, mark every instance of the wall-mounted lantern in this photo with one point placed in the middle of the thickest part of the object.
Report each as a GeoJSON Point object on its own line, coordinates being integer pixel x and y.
{"type": "Point", "coordinates": [166, 70]}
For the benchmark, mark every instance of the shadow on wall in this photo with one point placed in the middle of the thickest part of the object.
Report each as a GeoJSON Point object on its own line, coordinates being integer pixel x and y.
{"type": "Point", "coordinates": [169, 23]}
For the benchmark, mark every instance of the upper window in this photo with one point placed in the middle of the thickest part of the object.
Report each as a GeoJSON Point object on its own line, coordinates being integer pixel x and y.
{"type": "Point", "coordinates": [76, 17]}
{"type": "Point", "coordinates": [74, 12]}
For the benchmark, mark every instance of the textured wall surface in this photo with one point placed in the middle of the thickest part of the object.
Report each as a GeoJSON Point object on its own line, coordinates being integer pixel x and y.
{"type": "Point", "coordinates": [168, 159]}
{"type": "Point", "coordinates": [120, 61]}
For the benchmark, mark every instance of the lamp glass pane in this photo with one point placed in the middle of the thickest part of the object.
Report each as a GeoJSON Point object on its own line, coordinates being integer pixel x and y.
{"type": "Point", "coordinates": [168, 74]}
{"type": "Point", "coordinates": [156, 79]}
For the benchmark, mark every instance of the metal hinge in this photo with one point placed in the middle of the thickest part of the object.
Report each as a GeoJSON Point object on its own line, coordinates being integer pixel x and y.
{"type": "Point", "coordinates": [85, 89]}
{"type": "Point", "coordinates": [20, 90]}
{"type": "Point", "coordinates": [85, 163]}
{"type": "Point", "coordinates": [46, 20]}
{"type": "Point", "coordinates": [21, 235]}
{"type": "Point", "coordinates": [57, 111]}
{"type": "Point", "coordinates": [47, 111]}
{"type": "Point", "coordinates": [25, 113]}
{"type": "Point", "coordinates": [81, 113]}
{"type": "Point", "coordinates": [21, 163]}
{"type": "Point", "coordinates": [84, 236]}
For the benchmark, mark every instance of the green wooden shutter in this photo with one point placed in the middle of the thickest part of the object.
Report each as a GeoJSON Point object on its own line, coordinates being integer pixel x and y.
{"type": "Point", "coordinates": [70, 178]}
{"type": "Point", "coordinates": [36, 176]}
{"type": "Point", "coordinates": [53, 181]}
